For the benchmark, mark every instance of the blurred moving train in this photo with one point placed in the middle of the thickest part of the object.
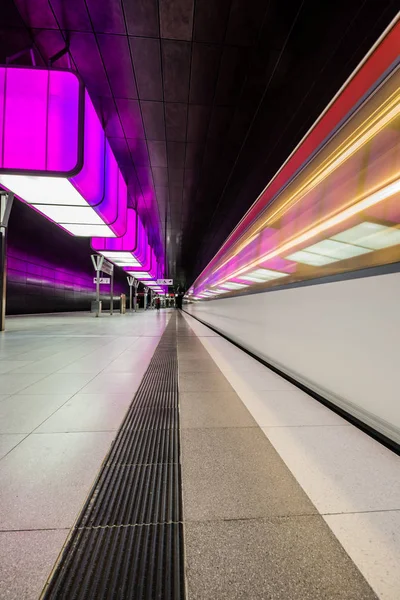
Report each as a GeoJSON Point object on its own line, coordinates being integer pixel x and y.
{"type": "Point", "coordinates": [309, 280]}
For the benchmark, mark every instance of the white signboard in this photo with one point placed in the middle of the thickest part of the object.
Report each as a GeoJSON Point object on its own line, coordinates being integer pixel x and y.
{"type": "Point", "coordinates": [165, 281]}
{"type": "Point", "coordinates": [106, 280]}
{"type": "Point", "coordinates": [107, 267]}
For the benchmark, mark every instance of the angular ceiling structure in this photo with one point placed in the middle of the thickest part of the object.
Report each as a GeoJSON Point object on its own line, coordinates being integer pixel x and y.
{"type": "Point", "coordinates": [201, 100]}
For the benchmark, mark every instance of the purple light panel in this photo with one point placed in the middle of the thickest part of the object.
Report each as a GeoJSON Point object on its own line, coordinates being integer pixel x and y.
{"type": "Point", "coordinates": [55, 155]}
{"type": "Point", "coordinates": [131, 249]}
{"type": "Point", "coordinates": [148, 271]}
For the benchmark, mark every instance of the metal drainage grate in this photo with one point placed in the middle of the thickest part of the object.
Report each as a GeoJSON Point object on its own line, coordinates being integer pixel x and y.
{"type": "Point", "coordinates": [128, 541]}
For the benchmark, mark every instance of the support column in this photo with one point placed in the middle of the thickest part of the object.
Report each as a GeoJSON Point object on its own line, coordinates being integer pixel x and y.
{"type": "Point", "coordinates": [6, 201]}
{"type": "Point", "coordinates": [112, 293]}
{"type": "Point", "coordinates": [131, 283]}
{"type": "Point", "coordinates": [97, 263]}
{"type": "Point", "coordinates": [136, 284]}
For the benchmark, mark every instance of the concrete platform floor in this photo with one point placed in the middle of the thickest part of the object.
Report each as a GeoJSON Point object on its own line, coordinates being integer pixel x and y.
{"type": "Point", "coordinates": [351, 482]}
{"type": "Point", "coordinates": [282, 498]}
{"type": "Point", "coordinates": [66, 382]}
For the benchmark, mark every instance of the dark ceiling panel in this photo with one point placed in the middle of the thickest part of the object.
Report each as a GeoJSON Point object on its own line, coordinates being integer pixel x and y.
{"type": "Point", "coordinates": [10, 17]}
{"type": "Point", "coordinates": [49, 42]}
{"type": "Point", "coordinates": [176, 155]}
{"type": "Point", "coordinates": [106, 109]}
{"type": "Point", "coordinates": [232, 75]}
{"type": "Point", "coordinates": [240, 124]}
{"type": "Point", "coordinates": [147, 63]}
{"type": "Point", "coordinates": [160, 176]}
{"type": "Point", "coordinates": [107, 16]}
{"type": "Point", "coordinates": [72, 14]}
{"type": "Point", "coordinates": [153, 119]}
{"type": "Point", "coordinates": [176, 19]}
{"type": "Point", "coordinates": [211, 20]}
{"type": "Point", "coordinates": [139, 152]}
{"type": "Point", "coordinates": [162, 201]}
{"type": "Point", "coordinates": [121, 151]}
{"type": "Point", "coordinates": [246, 20]}
{"type": "Point", "coordinates": [204, 73]}
{"type": "Point", "coordinates": [221, 119]}
{"type": "Point", "coordinates": [191, 178]}
{"type": "Point", "coordinates": [13, 41]}
{"type": "Point", "coordinates": [117, 60]}
{"type": "Point", "coordinates": [198, 122]}
{"type": "Point", "coordinates": [87, 58]}
{"type": "Point", "coordinates": [176, 120]}
{"type": "Point", "coordinates": [162, 197]}
{"type": "Point", "coordinates": [36, 14]}
{"type": "Point", "coordinates": [194, 154]}
{"type": "Point", "coordinates": [157, 153]}
{"type": "Point", "coordinates": [133, 184]}
{"type": "Point", "coordinates": [145, 178]}
{"type": "Point", "coordinates": [175, 197]}
{"type": "Point", "coordinates": [176, 176]}
{"type": "Point", "coordinates": [131, 119]}
{"type": "Point", "coordinates": [176, 70]}
{"type": "Point", "coordinates": [142, 17]}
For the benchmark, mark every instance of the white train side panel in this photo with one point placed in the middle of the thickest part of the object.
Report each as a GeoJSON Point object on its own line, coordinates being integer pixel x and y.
{"type": "Point", "coordinates": [341, 339]}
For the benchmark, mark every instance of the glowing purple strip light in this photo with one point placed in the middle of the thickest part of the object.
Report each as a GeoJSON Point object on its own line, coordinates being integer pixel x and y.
{"type": "Point", "coordinates": [54, 154]}
{"type": "Point", "coordinates": [151, 272]}
{"type": "Point", "coordinates": [131, 250]}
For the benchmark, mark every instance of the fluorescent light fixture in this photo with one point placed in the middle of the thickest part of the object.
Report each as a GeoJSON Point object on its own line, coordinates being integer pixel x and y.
{"type": "Point", "coordinates": [251, 279]}
{"type": "Point", "coordinates": [116, 255]}
{"type": "Point", "coordinates": [308, 258]}
{"type": "Point", "coordinates": [370, 235]}
{"type": "Point", "coordinates": [230, 285]}
{"type": "Point", "coordinates": [55, 155]}
{"type": "Point", "coordinates": [260, 275]}
{"type": "Point", "coordinates": [385, 192]}
{"type": "Point", "coordinates": [336, 250]}
{"type": "Point", "coordinates": [140, 275]}
{"type": "Point", "coordinates": [131, 251]}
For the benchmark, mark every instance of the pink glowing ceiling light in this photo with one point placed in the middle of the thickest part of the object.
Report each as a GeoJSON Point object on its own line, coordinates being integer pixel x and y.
{"type": "Point", "coordinates": [131, 250]}
{"type": "Point", "coordinates": [54, 154]}
{"type": "Point", "coordinates": [149, 273]}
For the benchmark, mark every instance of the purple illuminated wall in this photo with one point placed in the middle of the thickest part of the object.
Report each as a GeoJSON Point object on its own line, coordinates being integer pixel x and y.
{"type": "Point", "coordinates": [48, 270]}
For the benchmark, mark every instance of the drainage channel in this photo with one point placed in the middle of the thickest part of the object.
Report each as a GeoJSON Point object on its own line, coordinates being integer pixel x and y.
{"type": "Point", "coordinates": [128, 540]}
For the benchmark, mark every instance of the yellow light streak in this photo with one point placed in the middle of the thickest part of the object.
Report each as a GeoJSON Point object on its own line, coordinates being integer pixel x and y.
{"type": "Point", "coordinates": [389, 190]}
{"type": "Point", "coordinates": [372, 125]}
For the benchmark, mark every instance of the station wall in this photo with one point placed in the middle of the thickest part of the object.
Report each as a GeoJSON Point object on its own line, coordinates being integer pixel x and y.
{"type": "Point", "coordinates": [341, 339]}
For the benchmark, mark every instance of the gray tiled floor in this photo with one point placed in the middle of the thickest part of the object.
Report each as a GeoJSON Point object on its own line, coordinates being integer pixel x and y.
{"type": "Point", "coordinates": [26, 558]}
{"type": "Point", "coordinates": [188, 365]}
{"type": "Point", "coordinates": [22, 413]}
{"type": "Point", "coordinates": [198, 382]}
{"type": "Point", "coordinates": [251, 532]}
{"type": "Point", "coordinates": [89, 412]}
{"type": "Point", "coordinates": [47, 477]}
{"type": "Point", "coordinates": [8, 441]}
{"type": "Point", "coordinates": [66, 382]}
{"type": "Point", "coordinates": [219, 482]}
{"type": "Point", "coordinates": [219, 409]}
{"type": "Point", "coordinates": [288, 558]}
